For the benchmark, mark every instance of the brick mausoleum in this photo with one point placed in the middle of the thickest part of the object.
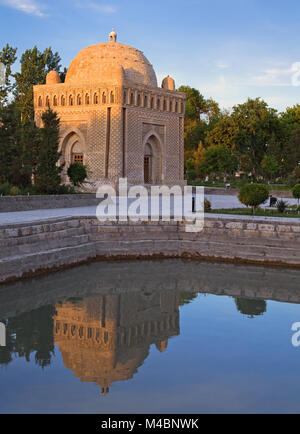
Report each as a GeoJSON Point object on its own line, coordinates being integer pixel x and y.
{"type": "Point", "coordinates": [114, 117]}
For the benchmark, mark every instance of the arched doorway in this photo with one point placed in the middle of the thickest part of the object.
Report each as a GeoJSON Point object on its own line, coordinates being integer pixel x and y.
{"type": "Point", "coordinates": [152, 161]}
{"type": "Point", "coordinates": [72, 150]}
{"type": "Point", "coordinates": [148, 164]}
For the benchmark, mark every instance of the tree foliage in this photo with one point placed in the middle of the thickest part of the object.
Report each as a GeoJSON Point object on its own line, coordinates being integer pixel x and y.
{"type": "Point", "coordinates": [296, 191]}
{"type": "Point", "coordinates": [48, 171]}
{"type": "Point", "coordinates": [253, 195]}
{"type": "Point", "coordinates": [77, 173]}
{"type": "Point", "coordinates": [219, 160]}
{"type": "Point", "coordinates": [35, 65]}
{"type": "Point", "coordinates": [7, 58]}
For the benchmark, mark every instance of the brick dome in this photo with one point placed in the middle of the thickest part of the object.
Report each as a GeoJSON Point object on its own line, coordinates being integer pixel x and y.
{"type": "Point", "coordinates": [94, 64]}
{"type": "Point", "coordinates": [53, 78]}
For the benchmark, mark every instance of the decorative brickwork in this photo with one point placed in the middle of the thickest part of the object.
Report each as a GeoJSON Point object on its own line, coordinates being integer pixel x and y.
{"type": "Point", "coordinates": [101, 82]}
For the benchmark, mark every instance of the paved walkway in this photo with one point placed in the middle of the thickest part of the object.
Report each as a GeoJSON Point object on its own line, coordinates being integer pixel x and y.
{"type": "Point", "coordinates": [90, 211]}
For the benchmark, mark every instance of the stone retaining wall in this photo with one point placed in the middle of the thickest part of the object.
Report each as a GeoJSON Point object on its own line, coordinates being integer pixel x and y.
{"type": "Point", "coordinates": [29, 203]}
{"type": "Point", "coordinates": [26, 249]}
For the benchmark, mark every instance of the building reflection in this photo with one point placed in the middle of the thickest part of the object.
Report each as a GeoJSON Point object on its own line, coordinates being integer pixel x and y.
{"type": "Point", "coordinates": [105, 339]}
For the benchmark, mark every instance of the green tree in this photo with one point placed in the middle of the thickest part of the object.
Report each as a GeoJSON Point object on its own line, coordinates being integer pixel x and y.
{"type": "Point", "coordinates": [7, 58]}
{"type": "Point", "coordinates": [35, 65]}
{"type": "Point", "coordinates": [296, 192]}
{"type": "Point", "coordinates": [250, 307]}
{"type": "Point", "coordinates": [225, 132]}
{"type": "Point", "coordinates": [256, 125]}
{"type": "Point", "coordinates": [269, 166]}
{"type": "Point", "coordinates": [199, 116]}
{"type": "Point", "coordinates": [10, 151]}
{"type": "Point", "coordinates": [77, 174]}
{"type": "Point", "coordinates": [253, 195]}
{"type": "Point", "coordinates": [48, 171]}
{"type": "Point", "coordinates": [291, 118]}
{"type": "Point", "coordinates": [292, 151]}
{"type": "Point", "coordinates": [219, 160]}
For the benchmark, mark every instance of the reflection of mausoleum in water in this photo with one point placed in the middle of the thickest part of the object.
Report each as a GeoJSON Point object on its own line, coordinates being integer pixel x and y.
{"type": "Point", "coordinates": [106, 338]}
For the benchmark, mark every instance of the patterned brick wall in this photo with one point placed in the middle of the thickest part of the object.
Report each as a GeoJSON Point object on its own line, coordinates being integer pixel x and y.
{"type": "Point", "coordinates": [86, 117]}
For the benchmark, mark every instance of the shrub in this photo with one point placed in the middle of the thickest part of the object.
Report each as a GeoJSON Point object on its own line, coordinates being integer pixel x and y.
{"type": "Point", "coordinates": [192, 175]}
{"type": "Point", "coordinates": [296, 192]}
{"type": "Point", "coordinates": [77, 173]}
{"type": "Point", "coordinates": [14, 191]}
{"type": "Point", "coordinates": [282, 206]}
{"type": "Point", "coordinates": [253, 195]}
{"type": "Point", "coordinates": [5, 189]}
{"type": "Point", "coordinates": [65, 189]}
{"type": "Point", "coordinates": [207, 205]}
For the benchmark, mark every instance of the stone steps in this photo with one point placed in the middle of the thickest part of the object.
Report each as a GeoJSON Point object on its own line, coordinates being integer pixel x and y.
{"type": "Point", "coordinates": [26, 230]}
{"type": "Point", "coordinates": [16, 266]}
{"type": "Point", "coordinates": [57, 241]}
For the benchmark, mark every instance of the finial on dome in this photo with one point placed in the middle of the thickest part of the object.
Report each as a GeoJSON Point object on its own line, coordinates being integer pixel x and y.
{"type": "Point", "coordinates": [112, 36]}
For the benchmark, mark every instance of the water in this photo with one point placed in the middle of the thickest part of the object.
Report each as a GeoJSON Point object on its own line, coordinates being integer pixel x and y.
{"type": "Point", "coordinates": [151, 337]}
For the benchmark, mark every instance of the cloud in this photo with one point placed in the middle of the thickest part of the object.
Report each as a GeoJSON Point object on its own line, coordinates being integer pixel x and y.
{"type": "Point", "coordinates": [274, 77]}
{"type": "Point", "coordinates": [98, 7]}
{"type": "Point", "coordinates": [27, 6]}
{"type": "Point", "coordinates": [222, 65]}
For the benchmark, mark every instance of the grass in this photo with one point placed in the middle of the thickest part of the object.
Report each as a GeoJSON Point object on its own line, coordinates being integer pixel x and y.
{"type": "Point", "coordinates": [237, 185]}
{"type": "Point", "coordinates": [292, 213]}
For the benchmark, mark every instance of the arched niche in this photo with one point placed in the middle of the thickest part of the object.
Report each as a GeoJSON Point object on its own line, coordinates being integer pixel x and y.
{"type": "Point", "coordinates": [153, 160]}
{"type": "Point", "coordinates": [73, 149]}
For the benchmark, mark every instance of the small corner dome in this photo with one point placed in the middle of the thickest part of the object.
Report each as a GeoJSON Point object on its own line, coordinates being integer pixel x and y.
{"type": "Point", "coordinates": [168, 83]}
{"type": "Point", "coordinates": [53, 78]}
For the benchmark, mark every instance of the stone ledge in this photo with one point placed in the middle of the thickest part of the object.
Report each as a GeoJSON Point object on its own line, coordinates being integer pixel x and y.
{"type": "Point", "coordinates": [28, 249]}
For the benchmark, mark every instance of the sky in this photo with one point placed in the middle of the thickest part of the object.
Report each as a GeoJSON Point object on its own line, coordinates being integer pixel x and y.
{"type": "Point", "coordinates": [228, 49]}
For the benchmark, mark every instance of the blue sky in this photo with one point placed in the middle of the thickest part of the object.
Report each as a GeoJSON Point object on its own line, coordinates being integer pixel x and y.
{"type": "Point", "coordinates": [230, 50]}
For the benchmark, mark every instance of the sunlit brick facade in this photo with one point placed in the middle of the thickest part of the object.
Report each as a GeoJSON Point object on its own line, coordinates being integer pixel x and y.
{"type": "Point", "coordinates": [115, 119]}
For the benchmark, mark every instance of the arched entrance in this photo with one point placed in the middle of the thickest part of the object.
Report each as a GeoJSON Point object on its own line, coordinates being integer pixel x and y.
{"type": "Point", "coordinates": [72, 148]}
{"type": "Point", "coordinates": [152, 161]}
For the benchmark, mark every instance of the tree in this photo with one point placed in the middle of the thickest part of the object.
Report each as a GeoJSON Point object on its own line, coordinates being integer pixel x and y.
{"type": "Point", "coordinates": [253, 195]}
{"type": "Point", "coordinates": [219, 160]}
{"type": "Point", "coordinates": [249, 307]}
{"type": "Point", "coordinates": [10, 151]}
{"type": "Point", "coordinates": [195, 103]}
{"type": "Point", "coordinates": [256, 123]}
{"type": "Point", "coordinates": [291, 118]}
{"type": "Point", "coordinates": [7, 58]}
{"type": "Point", "coordinates": [199, 115]}
{"type": "Point", "coordinates": [269, 166]}
{"type": "Point", "coordinates": [224, 133]}
{"type": "Point", "coordinates": [48, 171]}
{"type": "Point", "coordinates": [35, 65]}
{"type": "Point", "coordinates": [296, 192]}
{"type": "Point", "coordinates": [292, 151]}
{"type": "Point", "coordinates": [77, 174]}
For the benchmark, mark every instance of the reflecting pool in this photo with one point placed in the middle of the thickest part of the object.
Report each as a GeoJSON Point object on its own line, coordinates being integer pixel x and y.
{"type": "Point", "coordinates": [164, 336]}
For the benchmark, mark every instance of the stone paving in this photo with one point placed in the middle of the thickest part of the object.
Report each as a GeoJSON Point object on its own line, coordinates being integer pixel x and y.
{"type": "Point", "coordinates": [217, 201]}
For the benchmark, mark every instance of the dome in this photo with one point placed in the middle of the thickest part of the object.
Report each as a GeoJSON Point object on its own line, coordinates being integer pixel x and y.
{"type": "Point", "coordinates": [168, 83]}
{"type": "Point", "coordinates": [53, 78]}
{"type": "Point", "coordinates": [96, 63]}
